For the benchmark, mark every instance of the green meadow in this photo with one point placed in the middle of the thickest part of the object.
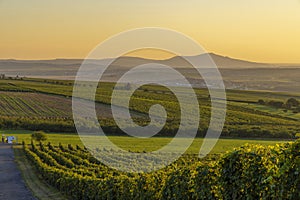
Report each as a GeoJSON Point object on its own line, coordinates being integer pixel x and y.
{"type": "Point", "coordinates": [139, 145]}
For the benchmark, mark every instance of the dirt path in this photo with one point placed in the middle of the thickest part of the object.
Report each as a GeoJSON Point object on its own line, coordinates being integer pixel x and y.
{"type": "Point", "coordinates": [11, 184]}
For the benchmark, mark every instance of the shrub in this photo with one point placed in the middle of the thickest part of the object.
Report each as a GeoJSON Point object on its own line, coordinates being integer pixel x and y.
{"type": "Point", "coordinates": [39, 136]}
{"type": "Point", "coordinates": [261, 102]}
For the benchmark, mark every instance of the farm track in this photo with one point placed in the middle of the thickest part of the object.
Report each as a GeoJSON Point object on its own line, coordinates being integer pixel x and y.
{"type": "Point", "coordinates": [11, 183]}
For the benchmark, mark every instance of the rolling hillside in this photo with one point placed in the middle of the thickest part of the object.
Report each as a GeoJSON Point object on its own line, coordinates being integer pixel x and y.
{"type": "Point", "coordinates": [39, 104]}
{"type": "Point", "coordinates": [237, 74]}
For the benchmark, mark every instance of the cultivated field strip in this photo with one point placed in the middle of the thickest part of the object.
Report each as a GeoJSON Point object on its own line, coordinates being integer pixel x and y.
{"type": "Point", "coordinates": [26, 104]}
{"type": "Point", "coordinates": [247, 172]}
{"type": "Point", "coordinates": [51, 101]}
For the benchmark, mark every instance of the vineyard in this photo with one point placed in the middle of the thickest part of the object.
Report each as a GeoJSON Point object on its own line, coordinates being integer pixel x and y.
{"type": "Point", "coordinates": [36, 104]}
{"type": "Point", "coordinates": [248, 172]}
{"type": "Point", "coordinates": [36, 111]}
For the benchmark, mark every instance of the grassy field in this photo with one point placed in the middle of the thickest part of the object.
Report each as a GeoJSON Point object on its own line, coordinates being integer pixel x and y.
{"type": "Point", "coordinates": [138, 145]}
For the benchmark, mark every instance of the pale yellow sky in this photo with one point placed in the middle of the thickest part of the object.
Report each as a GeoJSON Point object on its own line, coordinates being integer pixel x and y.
{"type": "Point", "coordinates": [256, 30]}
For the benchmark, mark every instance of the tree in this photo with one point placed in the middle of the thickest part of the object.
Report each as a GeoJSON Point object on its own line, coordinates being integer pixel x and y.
{"type": "Point", "coordinates": [39, 136]}
{"type": "Point", "coordinates": [261, 102]}
{"type": "Point", "coordinates": [276, 104]}
{"type": "Point", "coordinates": [292, 102]}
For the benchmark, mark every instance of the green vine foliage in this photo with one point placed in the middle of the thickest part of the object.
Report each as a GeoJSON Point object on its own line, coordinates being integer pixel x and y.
{"type": "Point", "coordinates": [257, 172]}
{"type": "Point", "coordinates": [248, 172]}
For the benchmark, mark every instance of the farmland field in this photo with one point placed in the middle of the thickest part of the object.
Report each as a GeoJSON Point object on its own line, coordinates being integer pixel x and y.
{"type": "Point", "coordinates": [29, 104]}
{"type": "Point", "coordinates": [33, 105]}
{"type": "Point", "coordinates": [75, 172]}
{"type": "Point", "coordinates": [274, 111]}
{"type": "Point", "coordinates": [64, 163]}
{"type": "Point", "coordinates": [150, 100]}
{"type": "Point", "coordinates": [50, 100]}
{"type": "Point", "coordinates": [139, 145]}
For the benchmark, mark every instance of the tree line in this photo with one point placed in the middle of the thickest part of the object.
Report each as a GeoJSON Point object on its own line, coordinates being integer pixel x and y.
{"type": "Point", "coordinates": [291, 104]}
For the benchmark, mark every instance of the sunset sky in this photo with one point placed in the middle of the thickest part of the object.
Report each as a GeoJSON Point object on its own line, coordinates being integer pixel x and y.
{"type": "Point", "coordinates": [255, 30]}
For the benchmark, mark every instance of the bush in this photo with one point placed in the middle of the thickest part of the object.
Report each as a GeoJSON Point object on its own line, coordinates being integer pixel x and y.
{"type": "Point", "coordinates": [292, 102]}
{"type": "Point", "coordinates": [39, 136]}
{"type": "Point", "coordinates": [261, 102]}
{"type": "Point", "coordinates": [276, 104]}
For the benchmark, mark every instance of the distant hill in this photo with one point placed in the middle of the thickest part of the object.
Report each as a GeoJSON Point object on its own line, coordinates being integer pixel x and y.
{"type": "Point", "coordinates": [220, 61]}
{"type": "Point", "coordinates": [177, 61]}
{"type": "Point", "coordinates": [237, 74]}
{"type": "Point", "coordinates": [202, 60]}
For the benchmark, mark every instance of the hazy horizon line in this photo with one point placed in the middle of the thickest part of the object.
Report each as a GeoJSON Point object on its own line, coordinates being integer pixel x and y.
{"type": "Point", "coordinates": [141, 57]}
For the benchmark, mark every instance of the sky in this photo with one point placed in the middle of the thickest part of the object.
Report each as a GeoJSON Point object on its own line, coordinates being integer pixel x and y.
{"type": "Point", "coordinates": [254, 30]}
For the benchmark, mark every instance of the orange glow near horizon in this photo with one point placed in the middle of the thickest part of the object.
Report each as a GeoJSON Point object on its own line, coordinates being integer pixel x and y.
{"type": "Point", "coordinates": [261, 31]}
